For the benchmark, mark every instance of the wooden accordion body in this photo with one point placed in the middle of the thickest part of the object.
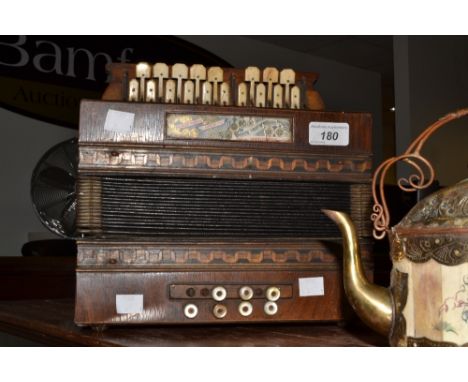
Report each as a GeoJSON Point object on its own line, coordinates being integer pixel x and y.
{"type": "Point", "coordinates": [187, 214]}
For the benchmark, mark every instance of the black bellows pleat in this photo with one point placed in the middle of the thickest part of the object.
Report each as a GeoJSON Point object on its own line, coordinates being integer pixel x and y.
{"type": "Point", "coordinates": [153, 206]}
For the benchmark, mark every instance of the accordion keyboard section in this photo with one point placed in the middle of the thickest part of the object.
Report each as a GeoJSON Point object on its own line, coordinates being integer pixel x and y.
{"type": "Point", "coordinates": [190, 207]}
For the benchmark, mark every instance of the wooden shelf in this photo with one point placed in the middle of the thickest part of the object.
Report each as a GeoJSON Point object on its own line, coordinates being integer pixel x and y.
{"type": "Point", "coordinates": [50, 322]}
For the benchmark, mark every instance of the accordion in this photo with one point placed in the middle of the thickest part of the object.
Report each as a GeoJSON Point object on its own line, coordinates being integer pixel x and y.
{"type": "Point", "coordinates": [210, 212]}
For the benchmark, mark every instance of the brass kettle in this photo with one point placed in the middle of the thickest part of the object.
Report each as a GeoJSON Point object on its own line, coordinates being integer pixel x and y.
{"type": "Point", "coordinates": [427, 302]}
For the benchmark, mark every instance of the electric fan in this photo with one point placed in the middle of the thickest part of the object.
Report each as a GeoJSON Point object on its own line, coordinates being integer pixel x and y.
{"type": "Point", "coordinates": [53, 188]}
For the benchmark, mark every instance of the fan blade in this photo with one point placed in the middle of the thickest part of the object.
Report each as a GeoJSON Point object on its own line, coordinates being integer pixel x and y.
{"type": "Point", "coordinates": [54, 205]}
{"type": "Point", "coordinates": [69, 207]}
{"type": "Point", "coordinates": [58, 178]}
{"type": "Point", "coordinates": [71, 152]}
{"type": "Point", "coordinates": [67, 217]}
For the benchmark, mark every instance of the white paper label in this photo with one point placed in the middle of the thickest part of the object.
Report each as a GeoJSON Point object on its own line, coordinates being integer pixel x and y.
{"type": "Point", "coordinates": [119, 121]}
{"type": "Point", "coordinates": [311, 286]}
{"type": "Point", "coordinates": [329, 133]}
{"type": "Point", "coordinates": [129, 303]}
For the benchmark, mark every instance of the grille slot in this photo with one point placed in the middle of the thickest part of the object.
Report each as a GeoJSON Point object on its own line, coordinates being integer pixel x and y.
{"type": "Point", "coordinates": [189, 207]}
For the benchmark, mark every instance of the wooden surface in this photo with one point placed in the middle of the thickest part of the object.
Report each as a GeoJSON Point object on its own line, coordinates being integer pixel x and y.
{"type": "Point", "coordinates": [97, 290]}
{"type": "Point", "coordinates": [50, 322]}
{"type": "Point", "coordinates": [35, 277]}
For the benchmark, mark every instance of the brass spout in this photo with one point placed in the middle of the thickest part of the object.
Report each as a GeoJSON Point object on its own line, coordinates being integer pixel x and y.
{"type": "Point", "coordinates": [372, 303]}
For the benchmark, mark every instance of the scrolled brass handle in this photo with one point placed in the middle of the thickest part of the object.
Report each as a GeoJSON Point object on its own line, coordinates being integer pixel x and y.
{"type": "Point", "coordinates": [422, 178]}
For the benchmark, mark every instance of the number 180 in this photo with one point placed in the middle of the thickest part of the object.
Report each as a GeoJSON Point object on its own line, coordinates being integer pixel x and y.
{"type": "Point", "coordinates": [329, 135]}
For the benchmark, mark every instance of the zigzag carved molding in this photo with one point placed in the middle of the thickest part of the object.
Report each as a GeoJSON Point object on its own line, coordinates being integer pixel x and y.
{"type": "Point", "coordinates": [98, 256]}
{"type": "Point", "coordinates": [96, 157]}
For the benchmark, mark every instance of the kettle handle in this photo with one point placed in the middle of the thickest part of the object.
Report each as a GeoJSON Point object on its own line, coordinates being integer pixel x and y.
{"type": "Point", "coordinates": [422, 178]}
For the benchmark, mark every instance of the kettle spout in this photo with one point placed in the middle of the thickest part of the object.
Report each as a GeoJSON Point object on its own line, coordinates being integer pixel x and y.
{"type": "Point", "coordinates": [372, 303]}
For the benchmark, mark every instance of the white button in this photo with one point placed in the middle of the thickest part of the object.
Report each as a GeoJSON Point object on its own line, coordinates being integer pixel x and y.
{"type": "Point", "coordinates": [219, 311]}
{"type": "Point", "coordinates": [246, 293]}
{"type": "Point", "coordinates": [219, 293]}
{"type": "Point", "coordinates": [245, 308]}
{"type": "Point", "coordinates": [273, 294]}
{"type": "Point", "coordinates": [270, 308]}
{"type": "Point", "coordinates": [190, 311]}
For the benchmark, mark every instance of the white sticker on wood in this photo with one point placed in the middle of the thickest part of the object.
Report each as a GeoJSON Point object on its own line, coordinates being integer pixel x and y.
{"type": "Point", "coordinates": [311, 286]}
{"type": "Point", "coordinates": [119, 121]}
{"type": "Point", "coordinates": [328, 133]}
{"type": "Point", "coordinates": [129, 303]}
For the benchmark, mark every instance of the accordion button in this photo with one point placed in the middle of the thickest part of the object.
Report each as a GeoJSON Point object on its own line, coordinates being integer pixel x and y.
{"type": "Point", "coordinates": [273, 294]}
{"type": "Point", "coordinates": [245, 308]}
{"type": "Point", "coordinates": [246, 293]}
{"type": "Point", "coordinates": [219, 311]}
{"type": "Point", "coordinates": [218, 293]}
{"type": "Point", "coordinates": [270, 308]}
{"type": "Point", "coordinates": [190, 311]}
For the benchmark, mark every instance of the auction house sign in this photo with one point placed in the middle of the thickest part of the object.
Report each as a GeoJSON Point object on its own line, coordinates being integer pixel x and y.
{"type": "Point", "coordinates": [45, 77]}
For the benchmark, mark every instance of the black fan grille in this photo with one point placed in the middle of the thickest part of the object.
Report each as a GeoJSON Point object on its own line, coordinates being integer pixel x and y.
{"type": "Point", "coordinates": [53, 188]}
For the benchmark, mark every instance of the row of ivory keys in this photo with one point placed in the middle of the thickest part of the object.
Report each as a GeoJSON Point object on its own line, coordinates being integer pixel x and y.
{"type": "Point", "coordinates": [199, 85]}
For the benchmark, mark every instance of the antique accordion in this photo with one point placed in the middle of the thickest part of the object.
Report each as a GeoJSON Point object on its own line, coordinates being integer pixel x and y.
{"type": "Point", "coordinates": [200, 195]}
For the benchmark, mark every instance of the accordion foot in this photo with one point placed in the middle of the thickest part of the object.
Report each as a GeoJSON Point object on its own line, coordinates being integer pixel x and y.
{"type": "Point", "coordinates": [342, 323]}
{"type": "Point", "coordinates": [99, 328]}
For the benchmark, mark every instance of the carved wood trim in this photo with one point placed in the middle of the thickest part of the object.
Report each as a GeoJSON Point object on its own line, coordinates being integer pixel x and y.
{"type": "Point", "coordinates": [99, 157]}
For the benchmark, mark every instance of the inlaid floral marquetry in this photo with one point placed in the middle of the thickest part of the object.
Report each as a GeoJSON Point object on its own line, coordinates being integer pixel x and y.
{"type": "Point", "coordinates": [229, 127]}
